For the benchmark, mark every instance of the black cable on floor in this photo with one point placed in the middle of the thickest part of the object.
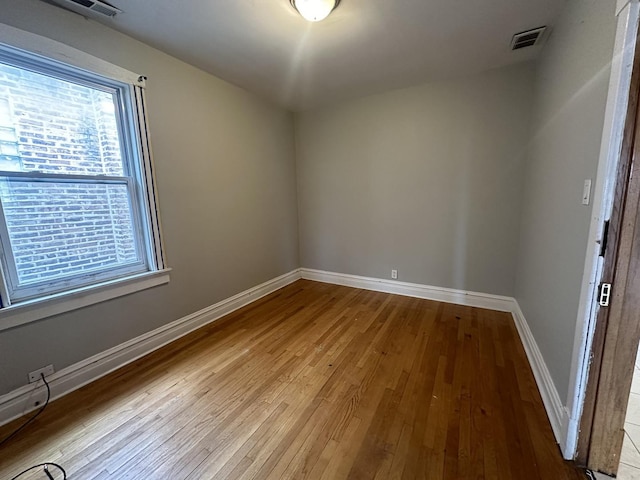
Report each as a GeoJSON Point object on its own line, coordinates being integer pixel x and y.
{"type": "Point", "coordinates": [45, 465]}
{"type": "Point", "coordinates": [15, 432]}
{"type": "Point", "coordinates": [46, 470]}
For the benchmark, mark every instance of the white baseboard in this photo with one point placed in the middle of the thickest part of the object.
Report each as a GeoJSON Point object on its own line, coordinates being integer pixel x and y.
{"type": "Point", "coordinates": [439, 294]}
{"type": "Point", "coordinates": [16, 403]}
{"type": "Point", "coordinates": [556, 411]}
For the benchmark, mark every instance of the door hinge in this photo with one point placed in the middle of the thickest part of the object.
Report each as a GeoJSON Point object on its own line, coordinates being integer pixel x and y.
{"type": "Point", "coordinates": [605, 294]}
{"type": "Point", "coordinates": [605, 235]}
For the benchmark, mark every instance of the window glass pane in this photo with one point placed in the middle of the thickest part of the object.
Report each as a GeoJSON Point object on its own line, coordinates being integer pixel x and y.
{"type": "Point", "coordinates": [57, 229]}
{"type": "Point", "coordinates": [58, 126]}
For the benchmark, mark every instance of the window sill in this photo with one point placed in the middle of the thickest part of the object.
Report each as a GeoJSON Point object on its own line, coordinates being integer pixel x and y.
{"type": "Point", "coordinates": [33, 310]}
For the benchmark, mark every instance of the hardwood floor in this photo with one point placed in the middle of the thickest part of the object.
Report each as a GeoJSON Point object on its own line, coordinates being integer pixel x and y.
{"type": "Point", "coordinates": [314, 381]}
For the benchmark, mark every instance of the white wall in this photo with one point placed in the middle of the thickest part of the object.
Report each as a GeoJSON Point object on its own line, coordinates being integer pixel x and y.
{"type": "Point", "coordinates": [226, 178]}
{"type": "Point", "coordinates": [570, 96]}
{"type": "Point", "coordinates": [426, 180]}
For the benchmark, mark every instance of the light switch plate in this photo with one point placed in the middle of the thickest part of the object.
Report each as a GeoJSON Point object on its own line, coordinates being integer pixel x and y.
{"type": "Point", "coordinates": [586, 192]}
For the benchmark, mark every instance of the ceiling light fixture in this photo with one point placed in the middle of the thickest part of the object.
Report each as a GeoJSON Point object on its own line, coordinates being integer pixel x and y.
{"type": "Point", "coordinates": [314, 10]}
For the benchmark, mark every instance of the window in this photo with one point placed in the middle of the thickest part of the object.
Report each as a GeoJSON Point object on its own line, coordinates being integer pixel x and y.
{"type": "Point", "coordinates": [77, 205]}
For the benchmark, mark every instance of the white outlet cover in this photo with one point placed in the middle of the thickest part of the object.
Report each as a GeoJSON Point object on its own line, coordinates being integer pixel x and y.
{"type": "Point", "coordinates": [35, 375]}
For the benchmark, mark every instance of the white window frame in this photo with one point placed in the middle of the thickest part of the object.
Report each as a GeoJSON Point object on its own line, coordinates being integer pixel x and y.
{"type": "Point", "coordinates": [38, 300]}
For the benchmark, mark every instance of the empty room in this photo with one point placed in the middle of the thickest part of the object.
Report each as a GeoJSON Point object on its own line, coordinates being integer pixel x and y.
{"type": "Point", "coordinates": [323, 239]}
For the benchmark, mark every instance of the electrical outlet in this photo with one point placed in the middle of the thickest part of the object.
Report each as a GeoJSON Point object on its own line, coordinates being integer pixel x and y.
{"type": "Point", "coordinates": [394, 274]}
{"type": "Point", "coordinates": [35, 375]}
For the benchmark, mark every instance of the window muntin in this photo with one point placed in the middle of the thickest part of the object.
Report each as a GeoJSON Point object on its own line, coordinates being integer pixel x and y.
{"type": "Point", "coordinates": [72, 186]}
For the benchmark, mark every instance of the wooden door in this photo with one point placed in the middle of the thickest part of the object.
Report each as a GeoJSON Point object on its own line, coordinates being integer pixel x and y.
{"type": "Point", "coordinates": [617, 331]}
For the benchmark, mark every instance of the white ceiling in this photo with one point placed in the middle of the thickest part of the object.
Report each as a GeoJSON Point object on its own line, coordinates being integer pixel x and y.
{"type": "Point", "coordinates": [363, 47]}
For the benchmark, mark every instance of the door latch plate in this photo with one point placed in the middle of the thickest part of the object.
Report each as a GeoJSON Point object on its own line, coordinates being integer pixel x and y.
{"type": "Point", "coordinates": [605, 294]}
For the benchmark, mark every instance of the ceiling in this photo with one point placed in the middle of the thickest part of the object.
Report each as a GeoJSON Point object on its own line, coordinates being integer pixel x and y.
{"type": "Point", "coordinates": [363, 47]}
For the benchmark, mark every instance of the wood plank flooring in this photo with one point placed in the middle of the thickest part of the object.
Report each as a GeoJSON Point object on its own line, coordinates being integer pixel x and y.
{"type": "Point", "coordinates": [315, 381]}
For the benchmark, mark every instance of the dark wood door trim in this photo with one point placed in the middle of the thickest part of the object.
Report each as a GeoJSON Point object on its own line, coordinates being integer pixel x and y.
{"type": "Point", "coordinates": [617, 330]}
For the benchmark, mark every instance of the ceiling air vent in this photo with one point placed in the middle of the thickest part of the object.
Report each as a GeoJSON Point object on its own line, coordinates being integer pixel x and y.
{"type": "Point", "coordinates": [85, 7]}
{"type": "Point", "coordinates": [528, 38]}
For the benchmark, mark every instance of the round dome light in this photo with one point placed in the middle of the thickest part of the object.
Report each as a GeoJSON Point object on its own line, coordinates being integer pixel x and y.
{"type": "Point", "coordinates": [314, 10]}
